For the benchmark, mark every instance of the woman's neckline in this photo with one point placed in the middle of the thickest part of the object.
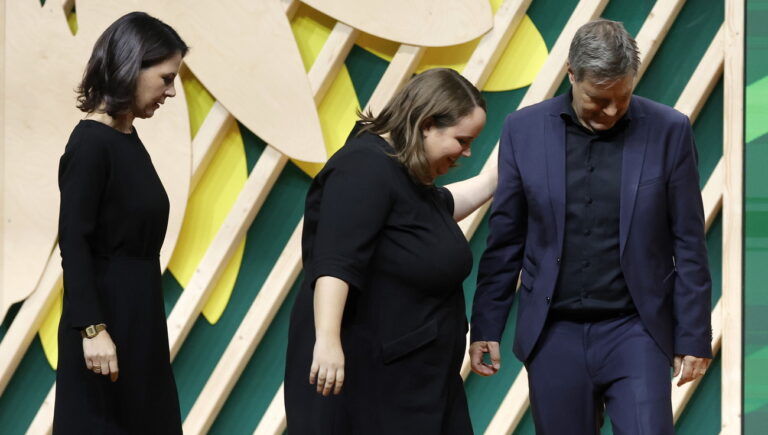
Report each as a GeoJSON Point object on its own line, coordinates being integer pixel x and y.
{"type": "Point", "coordinates": [89, 120]}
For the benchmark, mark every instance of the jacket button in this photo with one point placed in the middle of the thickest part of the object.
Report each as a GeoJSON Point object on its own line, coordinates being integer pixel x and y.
{"type": "Point", "coordinates": [558, 260]}
{"type": "Point", "coordinates": [547, 299]}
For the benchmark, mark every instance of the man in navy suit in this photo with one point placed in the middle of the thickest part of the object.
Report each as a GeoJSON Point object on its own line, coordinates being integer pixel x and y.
{"type": "Point", "coordinates": [598, 210]}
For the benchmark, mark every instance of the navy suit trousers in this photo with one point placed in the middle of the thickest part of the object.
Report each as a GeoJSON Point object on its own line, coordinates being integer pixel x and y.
{"type": "Point", "coordinates": [580, 370]}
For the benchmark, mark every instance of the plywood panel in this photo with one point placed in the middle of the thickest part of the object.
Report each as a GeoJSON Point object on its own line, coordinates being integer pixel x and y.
{"type": "Point", "coordinates": [42, 50]}
{"type": "Point", "coordinates": [426, 23]}
{"type": "Point", "coordinates": [251, 65]}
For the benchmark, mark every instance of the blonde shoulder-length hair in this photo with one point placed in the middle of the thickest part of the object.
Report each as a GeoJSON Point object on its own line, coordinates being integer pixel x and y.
{"type": "Point", "coordinates": [437, 97]}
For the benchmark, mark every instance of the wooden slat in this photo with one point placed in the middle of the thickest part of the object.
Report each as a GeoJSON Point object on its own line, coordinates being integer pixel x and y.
{"type": "Point", "coordinates": [491, 47]}
{"type": "Point", "coordinates": [207, 140]}
{"type": "Point", "coordinates": [552, 72]}
{"type": "Point", "coordinates": [42, 424]}
{"type": "Point", "coordinates": [290, 7]}
{"type": "Point", "coordinates": [654, 30]}
{"type": "Point", "coordinates": [708, 72]}
{"type": "Point", "coordinates": [712, 194]}
{"type": "Point", "coordinates": [273, 422]}
{"type": "Point", "coordinates": [330, 59]}
{"type": "Point", "coordinates": [690, 101]}
{"type": "Point", "coordinates": [515, 402]}
{"type": "Point", "coordinates": [29, 318]}
{"type": "Point", "coordinates": [225, 243]}
{"type": "Point", "coordinates": [398, 72]}
{"type": "Point", "coordinates": [733, 153]}
{"type": "Point", "coordinates": [250, 332]}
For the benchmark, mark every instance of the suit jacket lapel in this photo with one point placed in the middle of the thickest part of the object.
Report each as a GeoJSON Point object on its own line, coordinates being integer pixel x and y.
{"type": "Point", "coordinates": [631, 168]}
{"type": "Point", "coordinates": [555, 144]}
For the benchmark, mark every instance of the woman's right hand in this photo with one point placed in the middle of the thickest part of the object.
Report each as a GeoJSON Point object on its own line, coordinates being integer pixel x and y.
{"type": "Point", "coordinates": [327, 365]}
{"type": "Point", "coordinates": [100, 355]}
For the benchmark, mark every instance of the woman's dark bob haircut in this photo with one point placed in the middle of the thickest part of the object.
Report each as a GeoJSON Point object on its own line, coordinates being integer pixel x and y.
{"type": "Point", "coordinates": [134, 42]}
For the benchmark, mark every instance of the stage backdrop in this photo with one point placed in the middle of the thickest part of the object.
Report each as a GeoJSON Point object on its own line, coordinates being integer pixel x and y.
{"type": "Point", "coordinates": [269, 91]}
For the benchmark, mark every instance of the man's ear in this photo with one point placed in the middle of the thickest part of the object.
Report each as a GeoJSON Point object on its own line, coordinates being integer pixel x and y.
{"type": "Point", "coordinates": [571, 75]}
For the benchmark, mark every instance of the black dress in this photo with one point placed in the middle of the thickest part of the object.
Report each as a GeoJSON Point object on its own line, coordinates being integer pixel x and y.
{"type": "Point", "coordinates": [403, 330]}
{"type": "Point", "coordinates": [113, 217]}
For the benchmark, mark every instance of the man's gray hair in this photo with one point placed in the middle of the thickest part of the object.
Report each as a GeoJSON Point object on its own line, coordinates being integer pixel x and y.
{"type": "Point", "coordinates": [603, 50]}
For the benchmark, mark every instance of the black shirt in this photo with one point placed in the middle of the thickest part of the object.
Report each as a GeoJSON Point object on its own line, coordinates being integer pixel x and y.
{"type": "Point", "coordinates": [591, 284]}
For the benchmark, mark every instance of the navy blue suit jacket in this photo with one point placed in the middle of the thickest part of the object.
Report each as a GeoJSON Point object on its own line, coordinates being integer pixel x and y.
{"type": "Point", "coordinates": [661, 228]}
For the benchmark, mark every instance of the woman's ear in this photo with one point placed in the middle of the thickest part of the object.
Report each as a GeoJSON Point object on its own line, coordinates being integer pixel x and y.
{"type": "Point", "coordinates": [427, 125]}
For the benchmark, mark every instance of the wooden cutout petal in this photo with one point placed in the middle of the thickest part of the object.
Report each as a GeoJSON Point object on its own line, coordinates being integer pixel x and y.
{"type": "Point", "coordinates": [426, 23]}
{"type": "Point", "coordinates": [44, 63]}
{"type": "Point", "coordinates": [252, 66]}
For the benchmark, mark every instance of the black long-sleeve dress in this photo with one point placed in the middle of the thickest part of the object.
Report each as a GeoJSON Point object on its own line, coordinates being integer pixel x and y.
{"type": "Point", "coordinates": [113, 218]}
{"type": "Point", "coordinates": [403, 330]}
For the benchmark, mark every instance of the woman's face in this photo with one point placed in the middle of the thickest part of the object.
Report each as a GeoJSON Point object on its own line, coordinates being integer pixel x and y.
{"type": "Point", "coordinates": [154, 85]}
{"type": "Point", "coordinates": [445, 145]}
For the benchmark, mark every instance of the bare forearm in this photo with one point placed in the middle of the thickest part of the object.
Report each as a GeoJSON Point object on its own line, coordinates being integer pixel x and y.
{"type": "Point", "coordinates": [329, 301]}
{"type": "Point", "coordinates": [470, 194]}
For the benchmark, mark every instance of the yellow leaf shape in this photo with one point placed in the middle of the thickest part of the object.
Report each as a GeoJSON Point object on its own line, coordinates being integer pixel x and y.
{"type": "Point", "coordinates": [199, 100]}
{"type": "Point", "coordinates": [209, 204]}
{"type": "Point", "coordinates": [49, 331]}
{"type": "Point", "coordinates": [338, 109]}
{"type": "Point", "coordinates": [521, 60]}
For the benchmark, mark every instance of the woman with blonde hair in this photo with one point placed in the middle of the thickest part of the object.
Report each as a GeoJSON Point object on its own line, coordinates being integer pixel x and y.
{"type": "Point", "coordinates": [377, 332]}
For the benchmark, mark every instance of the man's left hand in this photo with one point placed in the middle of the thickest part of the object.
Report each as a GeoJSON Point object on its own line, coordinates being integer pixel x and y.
{"type": "Point", "coordinates": [692, 368]}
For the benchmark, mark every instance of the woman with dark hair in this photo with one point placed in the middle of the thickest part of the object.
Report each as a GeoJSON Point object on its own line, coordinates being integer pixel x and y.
{"type": "Point", "coordinates": [112, 222]}
{"type": "Point", "coordinates": [381, 310]}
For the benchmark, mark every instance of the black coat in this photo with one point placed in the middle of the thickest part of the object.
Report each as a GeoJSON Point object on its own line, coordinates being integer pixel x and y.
{"type": "Point", "coordinates": [113, 217]}
{"type": "Point", "coordinates": [403, 331]}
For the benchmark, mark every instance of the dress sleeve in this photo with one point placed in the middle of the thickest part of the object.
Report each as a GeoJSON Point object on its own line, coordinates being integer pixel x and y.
{"type": "Point", "coordinates": [354, 206]}
{"type": "Point", "coordinates": [82, 177]}
{"type": "Point", "coordinates": [447, 198]}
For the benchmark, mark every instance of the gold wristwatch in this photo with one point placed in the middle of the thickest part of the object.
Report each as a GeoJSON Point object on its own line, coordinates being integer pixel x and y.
{"type": "Point", "coordinates": [93, 330]}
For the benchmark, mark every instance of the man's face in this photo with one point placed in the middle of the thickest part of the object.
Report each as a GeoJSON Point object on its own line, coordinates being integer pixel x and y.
{"type": "Point", "coordinates": [600, 106]}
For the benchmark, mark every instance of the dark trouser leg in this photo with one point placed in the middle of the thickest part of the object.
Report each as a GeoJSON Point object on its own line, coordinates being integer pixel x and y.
{"type": "Point", "coordinates": [563, 397]}
{"type": "Point", "coordinates": [635, 376]}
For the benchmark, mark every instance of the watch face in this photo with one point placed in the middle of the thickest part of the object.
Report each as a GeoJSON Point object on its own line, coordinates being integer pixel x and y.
{"type": "Point", "coordinates": [90, 331]}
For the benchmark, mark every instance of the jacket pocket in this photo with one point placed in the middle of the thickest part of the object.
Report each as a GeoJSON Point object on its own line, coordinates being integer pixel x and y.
{"type": "Point", "coordinates": [669, 275]}
{"type": "Point", "coordinates": [526, 279]}
{"type": "Point", "coordinates": [409, 342]}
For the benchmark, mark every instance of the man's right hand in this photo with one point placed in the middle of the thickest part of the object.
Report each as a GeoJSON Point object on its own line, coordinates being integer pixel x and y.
{"type": "Point", "coordinates": [477, 351]}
